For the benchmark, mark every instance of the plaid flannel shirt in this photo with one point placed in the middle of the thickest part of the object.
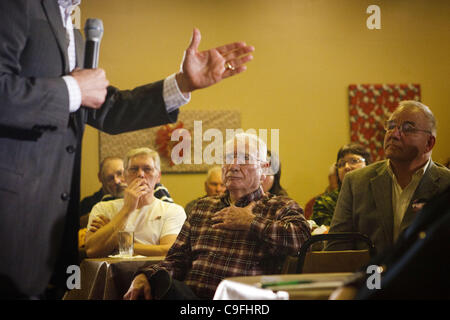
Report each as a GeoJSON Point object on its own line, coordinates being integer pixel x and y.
{"type": "Point", "coordinates": [203, 256]}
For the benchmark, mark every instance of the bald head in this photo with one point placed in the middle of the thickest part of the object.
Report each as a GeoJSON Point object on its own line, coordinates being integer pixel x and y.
{"type": "Point", "coordinates": [410, 134]}
{"type": "Point", "coordinates": [416, 106]}
{"type": "Point", "coordinates": [111, 176]}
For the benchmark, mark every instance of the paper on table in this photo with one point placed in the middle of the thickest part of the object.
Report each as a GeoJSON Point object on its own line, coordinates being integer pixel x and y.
{"type": "Point", "coordinates": [231, 290]}
{"type": "Point", "coordinates": [306, 286]}
{"type": "Point", "coordinates": [126, 257]}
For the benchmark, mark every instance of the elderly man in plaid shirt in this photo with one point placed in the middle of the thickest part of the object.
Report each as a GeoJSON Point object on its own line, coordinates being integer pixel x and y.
{"type": "Point", "coordinates": [243, 232]}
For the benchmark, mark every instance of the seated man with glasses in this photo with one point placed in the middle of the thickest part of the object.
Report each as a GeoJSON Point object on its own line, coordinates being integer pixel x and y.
{"type": "Point", "coordinates": [243, 232]}
{"type": "Point", "coordinates": [155, 223]}
{"type": "Point", "coordinates": [381, 200]}
{"type": "Point", "coordinates": [350, 157]}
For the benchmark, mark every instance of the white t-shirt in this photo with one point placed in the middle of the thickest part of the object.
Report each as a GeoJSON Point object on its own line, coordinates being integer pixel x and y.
{"type": "Point", "coordinates": [149, 223]}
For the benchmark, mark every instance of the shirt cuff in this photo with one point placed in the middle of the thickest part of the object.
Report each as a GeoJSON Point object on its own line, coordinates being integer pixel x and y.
{"type": "Point", "coordinates": [74, 93]}
{"type": "Point", "coordinates": [172, 95]}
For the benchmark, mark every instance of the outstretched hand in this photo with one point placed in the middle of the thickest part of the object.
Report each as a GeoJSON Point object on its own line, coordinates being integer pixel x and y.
{"type": "Point", "coordinates": [203, 69]}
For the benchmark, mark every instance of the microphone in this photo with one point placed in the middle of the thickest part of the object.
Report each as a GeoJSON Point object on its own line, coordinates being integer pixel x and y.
{"type": "Point", "coordinates": [93, 31]}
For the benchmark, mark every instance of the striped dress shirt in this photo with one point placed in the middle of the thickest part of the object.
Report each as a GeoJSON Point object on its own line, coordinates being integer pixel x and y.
{"type": "Point", "coordinates": [173, 97]}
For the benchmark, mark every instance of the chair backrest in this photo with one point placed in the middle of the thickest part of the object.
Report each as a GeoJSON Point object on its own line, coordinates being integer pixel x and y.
{"type": "Point", "coordinates": [330, 261]}
{"type": "Point", "coordinates": [335, 261]}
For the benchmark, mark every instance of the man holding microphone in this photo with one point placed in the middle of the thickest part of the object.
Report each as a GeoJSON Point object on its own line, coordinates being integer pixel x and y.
{"type": "Point", "coordinates": [42, 124]}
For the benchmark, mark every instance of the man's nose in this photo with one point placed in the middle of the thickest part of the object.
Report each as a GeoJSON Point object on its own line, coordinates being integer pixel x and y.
{"type": "Point", "coordinates": [233, 167]}
{"type": "Point", "coordinates": [395, 132]}
{"type": "Point", "coordinates": [141, 173]}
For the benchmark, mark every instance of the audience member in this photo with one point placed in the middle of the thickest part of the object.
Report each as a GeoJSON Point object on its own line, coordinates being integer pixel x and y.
{"type": "Point", "coordinates": [155, 223]}
{"type": "Point", "coordinates": [213, 186]}
{"type": "Point", "coordinates": [111, 177]}
{"type": "Point", "coordinates": [417, 265]}
{"type": "Point", "coordinates": [332, 185]}
{"type": "Point", "coordinates": [242, 232]}
{"type": "Point", "coordinates": [350, 157]}
{"type": "Point", "coordinates": [379, 200]}
{"type": "Point", "coordinates": [272, 182]}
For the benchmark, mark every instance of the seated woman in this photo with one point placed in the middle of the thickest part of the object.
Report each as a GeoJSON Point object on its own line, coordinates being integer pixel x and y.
{"type": "Point", "coordinates": [350, 157]}
{"type": "Point", "coordinates": [272, 182]}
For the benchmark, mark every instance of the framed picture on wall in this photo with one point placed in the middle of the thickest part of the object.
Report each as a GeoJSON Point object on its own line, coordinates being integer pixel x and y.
{"type": "Point", "coordinates": [369, 106]}
{"type": "Point", "coordinates": [189, 140]}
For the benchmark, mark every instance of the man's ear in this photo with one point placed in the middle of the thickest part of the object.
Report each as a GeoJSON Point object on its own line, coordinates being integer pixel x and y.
{"type": "Point", "coordinates": [264, 170]}
{"type": "Point", "coordinates": [430, 143]}
{"type": "Point", "coordinates": [159, 178]}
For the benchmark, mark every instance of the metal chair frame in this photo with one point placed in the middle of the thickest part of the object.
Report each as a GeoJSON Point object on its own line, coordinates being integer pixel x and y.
{"type": "Point", "coordinates": [354, 236]}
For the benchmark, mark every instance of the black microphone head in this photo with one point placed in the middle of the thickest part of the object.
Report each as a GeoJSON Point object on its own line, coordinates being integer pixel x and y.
{"type": "Point", "coordinates": [93, 29]}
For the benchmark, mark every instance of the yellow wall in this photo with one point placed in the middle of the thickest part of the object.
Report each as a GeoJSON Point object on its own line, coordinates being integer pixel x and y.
{"type": "Point", "coordinates": [307, 53]}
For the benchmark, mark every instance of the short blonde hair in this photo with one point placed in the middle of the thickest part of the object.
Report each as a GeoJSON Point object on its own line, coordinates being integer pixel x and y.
{"type": "Point", "coordinates": [142, 151]}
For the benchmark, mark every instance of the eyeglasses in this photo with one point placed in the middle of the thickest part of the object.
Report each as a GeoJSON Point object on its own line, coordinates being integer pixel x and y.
{"type": "Point", "coordinates": [352, 162]}
{"type": "Point", "coordinates": [147, 170]}
{"type": "Point", "coordinates": [242, 159]}
{"type": "Point", "coordinates": [406, 127]}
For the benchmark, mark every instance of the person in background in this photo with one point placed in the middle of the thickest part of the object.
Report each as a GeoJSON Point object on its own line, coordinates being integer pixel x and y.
{"type": "Point", "coordinates": [111, 177]}
{"type": "Point", "coordinates": [155, 223]}
{"type": "Point", "coordinates": [415, 267]}
{"type": "Point", "coordinates": [350, 157]}
{"type": "Point", "coordinates": [380, 200]}
{"type": "Point", "coordinates": [272, 182]}
{"type": "Point", "coordinates": [213, 187]}
{"type": "Point", "coordinates": [332, 185]}
{"type": "Point", "coordinates": [242, 232]}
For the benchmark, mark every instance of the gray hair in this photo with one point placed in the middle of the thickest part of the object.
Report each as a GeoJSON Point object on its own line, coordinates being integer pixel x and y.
{"type": "Point", "coordinates": [212, 170]}
{"type": "Point", "coordinates": [142, 151]}
{"type": "Point", "coordinates": [407, 104]}
{"type": "Point", "coordinates": [254, 142]}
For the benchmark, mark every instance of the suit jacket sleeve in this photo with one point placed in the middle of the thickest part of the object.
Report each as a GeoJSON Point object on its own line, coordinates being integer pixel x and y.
{"type": "Point", "coordinates": [27, 102]}
{"type": "Point", "coordinates": [129, 110]}
{"type": "Point", "coordinates": [342, 220]}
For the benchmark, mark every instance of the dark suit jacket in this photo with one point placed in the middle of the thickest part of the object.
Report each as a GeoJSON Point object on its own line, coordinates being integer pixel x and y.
{"type": "Point", "coordinates": [418, 264]}
{"type": "Point", "coordinates": [40, 142]}
{"type": "Point", "coordinates": [365, 203]}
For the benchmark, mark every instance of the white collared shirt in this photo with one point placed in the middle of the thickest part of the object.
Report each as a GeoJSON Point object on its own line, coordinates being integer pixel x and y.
{"type": "Point", "coordinates": [402, 197]}
{"type": "Point", "coordinates": [173, 97]}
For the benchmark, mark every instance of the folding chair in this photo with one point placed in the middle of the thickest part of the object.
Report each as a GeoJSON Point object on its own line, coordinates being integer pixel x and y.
{"type": "Point", "coordinates": [308, 261]}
